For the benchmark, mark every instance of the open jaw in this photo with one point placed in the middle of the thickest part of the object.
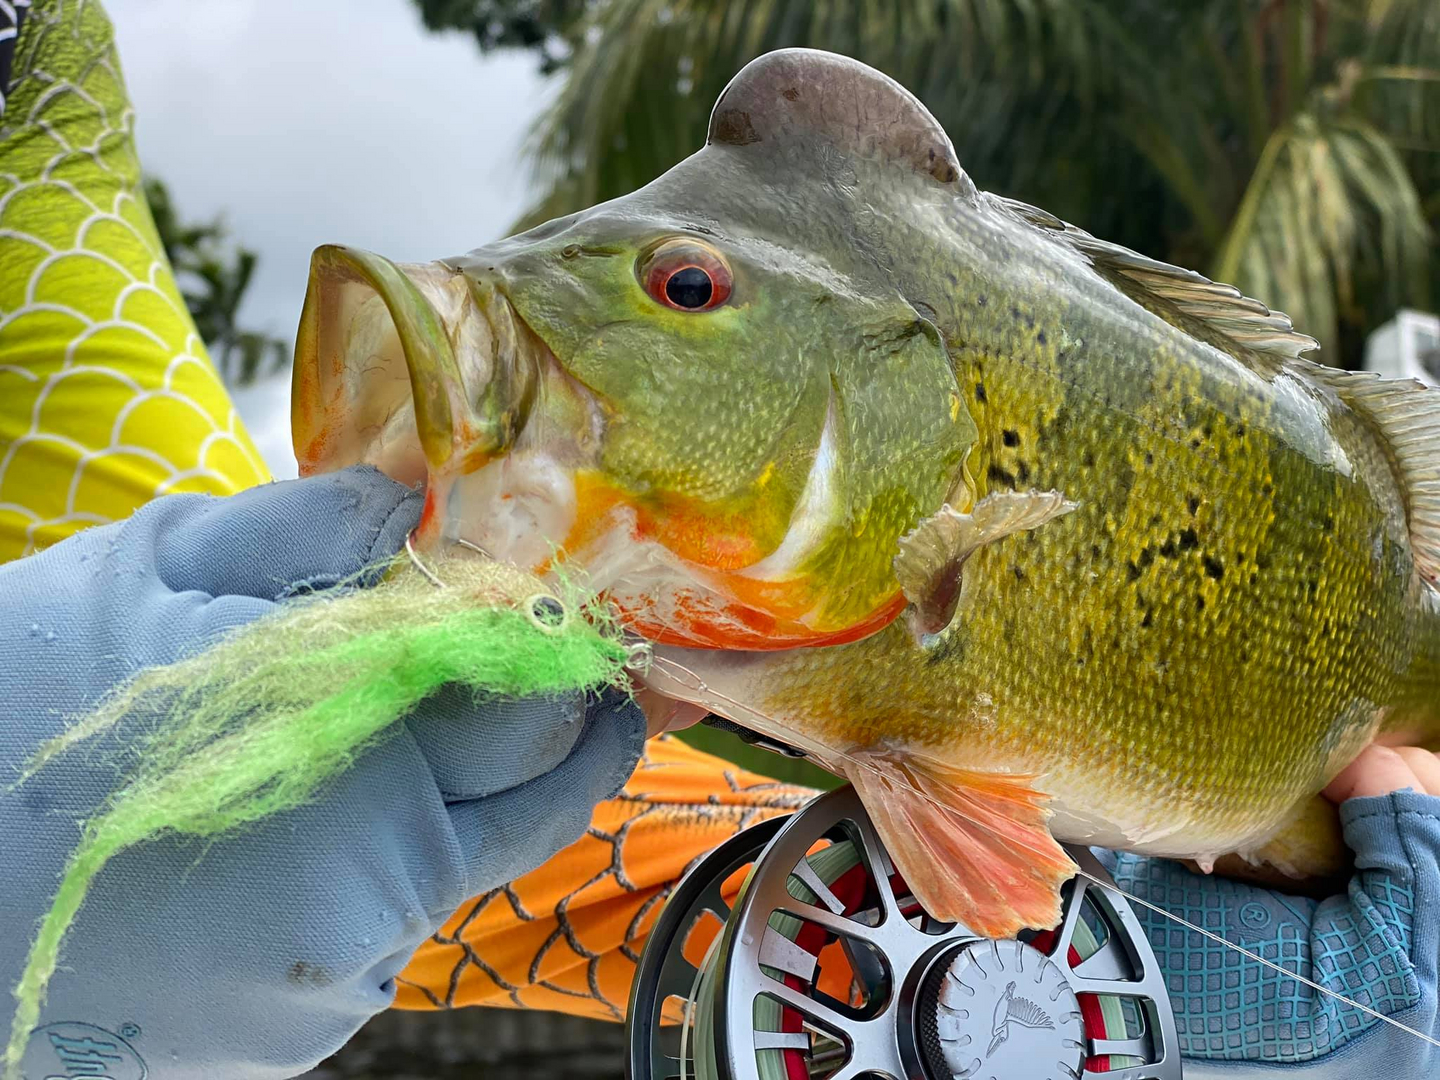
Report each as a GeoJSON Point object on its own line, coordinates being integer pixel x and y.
{"type": "Point", "coordinates": [433, 376]}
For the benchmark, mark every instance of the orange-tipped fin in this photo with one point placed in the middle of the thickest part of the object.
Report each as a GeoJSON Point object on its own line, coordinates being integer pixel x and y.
{"type": "Point", "coordinates": [974, 847]}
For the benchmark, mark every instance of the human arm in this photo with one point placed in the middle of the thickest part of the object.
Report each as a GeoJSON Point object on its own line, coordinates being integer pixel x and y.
{"type": "Point", "coordinates": [1377, 944]}
{"type": "Point", "coordinates": [257, 955]}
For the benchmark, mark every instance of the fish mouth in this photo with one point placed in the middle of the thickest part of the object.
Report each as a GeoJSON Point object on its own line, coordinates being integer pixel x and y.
{"type": "Point", "coordinates": [392, 359]}
{"type": "Point", "coordinates": [433, 376]}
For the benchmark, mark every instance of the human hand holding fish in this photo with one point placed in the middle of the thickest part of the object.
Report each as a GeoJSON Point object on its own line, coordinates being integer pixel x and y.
{"type": "Point", "coordinates": [1368, 954]}
{"type": "Point", "coordinates": [262, 956]}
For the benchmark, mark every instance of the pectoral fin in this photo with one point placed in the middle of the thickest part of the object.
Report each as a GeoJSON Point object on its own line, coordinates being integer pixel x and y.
{"type": "Point", "coordinates": [933, 553]}
{"type": "Point", "coordinates": [973, 847]}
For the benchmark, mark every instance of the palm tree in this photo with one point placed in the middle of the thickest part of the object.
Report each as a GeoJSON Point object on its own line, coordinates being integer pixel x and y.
{"type": "Point", "coordinates": [1290, 147]}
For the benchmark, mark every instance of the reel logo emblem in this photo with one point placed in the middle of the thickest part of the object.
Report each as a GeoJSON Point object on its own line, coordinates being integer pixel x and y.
{"type": "Point", "coordinates": [1006, 1008]}
{"type": "Point", "coordinates": [1012, 1010]}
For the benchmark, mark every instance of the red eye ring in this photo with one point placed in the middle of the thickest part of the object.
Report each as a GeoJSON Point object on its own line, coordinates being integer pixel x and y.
{"type": "Point", "coordinates": [686, 275]}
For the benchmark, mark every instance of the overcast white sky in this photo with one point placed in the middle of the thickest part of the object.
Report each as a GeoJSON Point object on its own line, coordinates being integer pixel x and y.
{"type": "Point", "coordinates": [326, 121]}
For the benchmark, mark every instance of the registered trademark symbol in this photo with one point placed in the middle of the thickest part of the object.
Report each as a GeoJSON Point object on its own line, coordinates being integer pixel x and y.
{"type": "Point", "coordinates": [129, 1031]}
{"type": "Point", "coordinates": [1254, 916]}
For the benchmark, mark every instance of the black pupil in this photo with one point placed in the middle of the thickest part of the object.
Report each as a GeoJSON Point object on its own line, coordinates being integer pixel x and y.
{"type": "Point", "coordinates": [689, 288]}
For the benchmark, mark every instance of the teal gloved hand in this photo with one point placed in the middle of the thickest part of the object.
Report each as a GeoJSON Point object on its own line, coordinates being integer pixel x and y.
{"type": "Point", "coordinates": [259, 954]}
{"type": "Point", "coordinates": [1379, 944]}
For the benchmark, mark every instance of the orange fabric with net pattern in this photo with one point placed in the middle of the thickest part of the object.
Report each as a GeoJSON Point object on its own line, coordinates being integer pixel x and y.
{"type": "Point", "coordinates": [568, 936]}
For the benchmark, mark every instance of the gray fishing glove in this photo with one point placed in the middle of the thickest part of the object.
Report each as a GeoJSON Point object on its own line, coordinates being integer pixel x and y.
{"type": "Point", "coordinates": [259, 954]}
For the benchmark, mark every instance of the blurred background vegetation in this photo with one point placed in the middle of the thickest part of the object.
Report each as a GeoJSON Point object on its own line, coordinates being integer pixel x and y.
{"type": "Point", "coordinates": [1288, 147]}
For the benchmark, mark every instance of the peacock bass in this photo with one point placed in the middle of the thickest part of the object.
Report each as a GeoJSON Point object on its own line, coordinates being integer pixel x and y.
{"type": "Point", "coordinates": [1027, 535]}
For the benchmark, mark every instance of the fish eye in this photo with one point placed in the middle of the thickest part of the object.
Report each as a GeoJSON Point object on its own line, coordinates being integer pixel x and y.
{"type": "Point", "coordinates": [686, 275]}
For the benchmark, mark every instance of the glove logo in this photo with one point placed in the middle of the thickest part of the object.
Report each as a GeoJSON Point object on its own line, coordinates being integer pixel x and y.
{"type": "Point", "coordinates": [71, 1049]}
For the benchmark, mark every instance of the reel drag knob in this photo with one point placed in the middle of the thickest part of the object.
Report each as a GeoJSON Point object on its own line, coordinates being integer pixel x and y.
{"type": "Point", "coordinates": [1003, 1007]}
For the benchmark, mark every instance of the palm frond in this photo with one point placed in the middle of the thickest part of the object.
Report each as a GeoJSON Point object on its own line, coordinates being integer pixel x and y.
{"type": "Point", "coordinates": [1328, 203]}
{"type": "Point", "coordinates": [638, 92]}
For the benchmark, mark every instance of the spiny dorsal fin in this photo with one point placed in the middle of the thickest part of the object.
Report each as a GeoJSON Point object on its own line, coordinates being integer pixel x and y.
{"type": "Point", "coordinates": [1405, 416]}
{"type": "Point", "coordinates": [934, 552]}
{"type": "Point", "coordinates": [806, 95]}
{"type": "Point", "coordinates": [1230, 317]}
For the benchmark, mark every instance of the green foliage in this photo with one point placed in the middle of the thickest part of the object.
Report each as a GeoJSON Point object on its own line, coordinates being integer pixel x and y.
{"type": "Point", "coordinates": [213, 275]}
{"type": "Point", "coordinates": [1291, 147]}
{"type": "Point", "coordinates": [547, 27]}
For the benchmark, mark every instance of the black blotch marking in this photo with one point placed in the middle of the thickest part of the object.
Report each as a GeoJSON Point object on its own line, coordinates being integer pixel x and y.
{"type": "Point", "coordinates": [1088, 460]}
{"type": "Point", "coordinates": [1000, 476]}
{"type": "Point", "coordinates": [1199, 603]}
{"type": "Point", "coordinates": [1148, 618]}
{"type": "Point", "coordinates": [1040, 338]}
{"type": "Point", "coordinates": [1024, 470]}
{"type": "Point", "coordinates": [1194, 444]}
{"type": "Point", "coordinates": [1134, 572]}
{"type": "Point", "coordinates": [980, 393]}
{"type": "Point", "coordinates": [1154, 520]}
{"type": "Point", "coordinates": [1205, 431]}
{"type": "Point", "coordinates": [1192, 503]}
{"type": "Point", "coordinates": [1213, 567]}
{"type": "Point", "coordinates": [1094, 551]}
{"type": "Point", "coordinates": [952, 646]}
{"type": "Point", "coordinates": [1010, 437]}
{"type": "Point", "coordinates": [1146, 557]}
{"type": "Point", "coordinates": [1328, 524]}
{"type": "Point", "coordinates": [1149, 458]}
{"type": "Point", "coordinates": [1188, 539]}
{"type": "Point", "coordinates": [1312, 587]}
{"type": "Point", "coordinates": [982, 300]}
{"type": "Point", "coordinates": [1019, 574]}
{"type": "Point", "coordinates": [1169, 549]}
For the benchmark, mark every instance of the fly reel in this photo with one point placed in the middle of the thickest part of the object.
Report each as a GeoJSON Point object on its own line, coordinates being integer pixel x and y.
{"type": "Point", "coordinates": [827, 968]}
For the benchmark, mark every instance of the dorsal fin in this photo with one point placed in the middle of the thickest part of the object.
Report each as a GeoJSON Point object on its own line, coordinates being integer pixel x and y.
{"type": "Point", "coordinates": [1404, 414]}
{"type": "Point", "coordinates": [1217, 313]}
{"type": "Point", "coordinates": [806, 94]}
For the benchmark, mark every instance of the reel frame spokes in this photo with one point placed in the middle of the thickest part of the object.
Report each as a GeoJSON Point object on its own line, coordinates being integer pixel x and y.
{"type": "Point", "coordinates": [927, 1000]}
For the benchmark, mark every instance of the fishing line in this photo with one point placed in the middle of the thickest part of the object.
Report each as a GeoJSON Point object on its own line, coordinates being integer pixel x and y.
{"type": "Point", "coordinates": [1260, 959]}
{"type": "Point", "coordinates": [693, 682]}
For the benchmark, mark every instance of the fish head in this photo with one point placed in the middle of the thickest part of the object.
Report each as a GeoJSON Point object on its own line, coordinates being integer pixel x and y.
{"type": "Point", "coordinates": [713, 394]}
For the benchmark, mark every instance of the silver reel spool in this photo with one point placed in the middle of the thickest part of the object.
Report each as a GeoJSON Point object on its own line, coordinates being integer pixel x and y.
{"type": "Point", "coordinates": [827, 969]}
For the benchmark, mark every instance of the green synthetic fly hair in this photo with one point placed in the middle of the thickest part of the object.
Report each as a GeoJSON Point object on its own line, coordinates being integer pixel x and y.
{"type": "Point", "coordinates": [253, 725]}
